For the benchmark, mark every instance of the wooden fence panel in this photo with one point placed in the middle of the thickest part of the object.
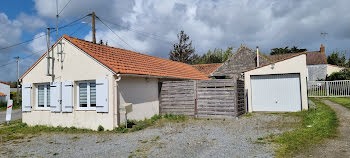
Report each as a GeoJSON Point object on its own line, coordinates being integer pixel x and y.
{"type": "Point", "coordinates": [220, 98]}
{"type": "Point", "coordinates": [177, 97]}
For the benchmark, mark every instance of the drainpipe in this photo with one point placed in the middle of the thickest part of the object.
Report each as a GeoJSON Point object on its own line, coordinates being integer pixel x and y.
{"type": "Point", "coordinates": [257, 56]}
{"type": "Point", "coordinates": [116, 121]}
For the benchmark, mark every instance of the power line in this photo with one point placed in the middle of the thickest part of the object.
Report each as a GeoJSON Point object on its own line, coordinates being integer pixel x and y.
{"type": "Point", "coordinates": [20, 43]}
{"type": "Point", "coordinates": [22, 58]}
{"type": "Point", "coordinates": [150, 35]}
{"type": "Point", "coordinates": [79, 29]}
{"type": "Point", "coordinates": [64, 7]}
{"type": "Point", "coordinates": [116, 34]}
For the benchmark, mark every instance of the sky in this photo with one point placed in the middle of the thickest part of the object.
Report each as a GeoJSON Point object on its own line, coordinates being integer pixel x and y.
{"type": "Point", "coordinates": [151, 26]}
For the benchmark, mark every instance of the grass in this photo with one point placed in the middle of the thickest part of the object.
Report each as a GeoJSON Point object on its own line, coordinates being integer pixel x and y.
{"type": "Point", "coordinates": [342, 101]}
{"type": "Point", "coordinates": [18, 130]}
{"type": "Point", "coordinates": [317, 124]}
{"type": "Point", "coordinates": [155, 119]}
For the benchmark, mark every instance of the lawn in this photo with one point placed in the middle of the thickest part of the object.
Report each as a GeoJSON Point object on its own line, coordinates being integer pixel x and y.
{"type": "Point", "coordinates": [342, 101]}
{"type": "Point", "coordinates": [317, 124]}
{"type": "Point", "coordinates": [18, 130]}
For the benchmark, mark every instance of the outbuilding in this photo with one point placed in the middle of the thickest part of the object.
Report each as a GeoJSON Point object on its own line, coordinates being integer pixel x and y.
{"type": "Point", "coordinates": [83, 84]}
{"type": "Point", "coordinates": [4, 91]}
{"type": "Point", "coordinates": [279, 86]}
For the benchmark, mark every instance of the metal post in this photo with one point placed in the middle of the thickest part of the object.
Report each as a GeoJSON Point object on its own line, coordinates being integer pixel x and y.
{"type": "Point", "coordinates": [17, 97]}
{"type": "Point", "coordinates": [257, 56]}
{"type": "Point", "coordinates": [48, 50]}
{"type": "Point", "coordinates": [93, 28]}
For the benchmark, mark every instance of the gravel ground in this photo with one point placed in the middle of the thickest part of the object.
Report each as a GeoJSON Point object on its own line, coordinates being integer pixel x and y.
{"type": "Point", "coordinates": [193, 138]}
{"type": "Point", "coordinates": [340, 146]}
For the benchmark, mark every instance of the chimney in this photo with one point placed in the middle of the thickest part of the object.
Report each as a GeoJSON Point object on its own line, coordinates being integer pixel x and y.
{"type": "Point", "coordinates": [322, 49]}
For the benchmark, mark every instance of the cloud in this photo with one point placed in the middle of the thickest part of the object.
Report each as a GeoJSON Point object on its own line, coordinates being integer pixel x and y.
{"type": "Point", "coordinates": [31, 23]}
{"type": "Point", "coordinates": [151, 26]}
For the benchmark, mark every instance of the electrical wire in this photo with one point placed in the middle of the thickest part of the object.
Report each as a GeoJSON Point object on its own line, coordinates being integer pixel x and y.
{"type": "Point", "coordinates": [36, 52]}
{"type": "Point", "coordinates": [20, 43]}
{"type": "Point", "coordinates": [64, 7]}
{"type": "Point", "coordinates": [116, 34]}
{"type": "Point", "coordinates": [150, 35]}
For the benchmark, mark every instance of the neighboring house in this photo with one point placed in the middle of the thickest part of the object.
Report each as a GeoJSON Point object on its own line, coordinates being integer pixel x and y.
{"type": "Point", "coordinates": [316, 63]}
{"type": "Point", "coordinates": [92, 81]}
{"type": "Point", "coordinates": [244, 59]}
{"type": "Point", "coordinates": [279, 86]}
{"type": "Point", "coordinates": [334, 68]}
{"type": "Point", "coordinates": [4, 91]}
{"type": "Point", "coordinates": [207, 69]}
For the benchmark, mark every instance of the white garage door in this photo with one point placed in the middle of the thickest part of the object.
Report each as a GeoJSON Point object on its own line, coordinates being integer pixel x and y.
{"type": "Point", "coordinates": [276, 93]}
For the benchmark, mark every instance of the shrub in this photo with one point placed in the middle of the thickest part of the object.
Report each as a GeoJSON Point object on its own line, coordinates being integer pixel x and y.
{"type": "Point", "coordinates": [100, 128]}
{"type": "Point", "coordinates": [3, 105]}
{"type": "Point", "coordinates": [341, 75]}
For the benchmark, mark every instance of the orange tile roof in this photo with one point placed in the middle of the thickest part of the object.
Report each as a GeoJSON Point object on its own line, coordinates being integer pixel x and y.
{"type": "Point", "coordinates": [129, 62]}
{"type": "Point", "coordinates": [2, 94]}
{"type": "Point", "coordinates": [312, 58]}
{"type": "Point", "coordinates": [4, 83]}
{"type": "Point", "coordinates": [207, 69]}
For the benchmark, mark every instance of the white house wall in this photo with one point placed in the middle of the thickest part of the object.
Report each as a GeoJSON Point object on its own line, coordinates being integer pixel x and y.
{"type": "Point", "coordinates": [76, 66]}
{"type": "Point", "coordinates": [142, 93]}
{"type": "Point", "coordinates": [294, 65]}
{"type": "Point", "coordinates": [4, 88]}
{"type": "Point", "coordinates": [333, 68]}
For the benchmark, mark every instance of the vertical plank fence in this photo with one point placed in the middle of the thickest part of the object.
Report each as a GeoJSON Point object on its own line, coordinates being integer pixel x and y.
{"type": "Point", "coordinates": [340, 88]}
{"type": "Point", "coordinates": [221, 98]}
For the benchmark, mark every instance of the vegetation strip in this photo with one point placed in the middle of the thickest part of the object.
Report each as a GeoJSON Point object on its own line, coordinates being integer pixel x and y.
{"type": "Point", "coordinates": [317, 124]}
{"type": "Point", "coordinates": [18, 130]}
{"type": "Point", "coordinates": [342, 101]}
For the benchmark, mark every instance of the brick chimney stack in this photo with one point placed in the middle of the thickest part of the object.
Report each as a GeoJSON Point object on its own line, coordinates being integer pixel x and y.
{"type": "Point", "coordinates": [322, 49]}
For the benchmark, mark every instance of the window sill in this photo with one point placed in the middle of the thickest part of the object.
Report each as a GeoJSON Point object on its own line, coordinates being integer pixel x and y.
{"type": "Point", "coordinates": [85, 109]}
{"type": "Point", "coordinates": [42, 109]}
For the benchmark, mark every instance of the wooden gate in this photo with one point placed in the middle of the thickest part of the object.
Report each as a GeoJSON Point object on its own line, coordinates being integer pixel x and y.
{"type": "Point", "coordinates": [222, 98]}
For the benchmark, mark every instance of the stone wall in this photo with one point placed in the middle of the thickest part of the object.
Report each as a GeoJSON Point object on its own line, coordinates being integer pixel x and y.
{"type": "Point", "coordinates": [317, 72]}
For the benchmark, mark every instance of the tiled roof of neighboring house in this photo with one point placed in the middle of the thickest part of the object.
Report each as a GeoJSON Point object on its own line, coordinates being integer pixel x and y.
{"type": "Point", "coordinates": [207, 69]}
{"type": "Point", "coordinates": [276, 61]}
{"type": "Point", "coordinates": [2, 94]}
{"type": "Point", "coordinates": [129, 62]}
{"type": "Point", "coordinates": [4, 83]}
{"type": "Point", "coordinates": [312, 58]}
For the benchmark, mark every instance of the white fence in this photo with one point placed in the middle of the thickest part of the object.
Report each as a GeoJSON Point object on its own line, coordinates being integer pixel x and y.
{"type": "Point", "coordinates": [340, 88]}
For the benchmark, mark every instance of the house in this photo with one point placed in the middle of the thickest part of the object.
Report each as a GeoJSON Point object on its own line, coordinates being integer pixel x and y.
{"type": "Point", "coordinates": [334, 68]}
{"type": "Point", "coordinates": [207, 69]}
{"type": "Point", "coordinates": [276, 84]}
{"type": "Point", "coordinates": [280, 86]}
{"type": "Point", "coordinates": [4, 91]}
{"type": "Point", "coordinates": [244, 59]}
{"type": "Point", "coordinates": [316, 63]}
{"type": "Point", "coordinates": [91, 81]}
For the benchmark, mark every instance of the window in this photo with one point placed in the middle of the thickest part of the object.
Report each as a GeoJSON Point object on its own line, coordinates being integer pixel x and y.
{"type": "Point", "coordinates": [87, 95]}
{"type": "Point", "coordinates": [43, 97]}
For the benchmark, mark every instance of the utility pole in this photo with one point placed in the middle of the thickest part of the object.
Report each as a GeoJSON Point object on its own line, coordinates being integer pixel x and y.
{"type": "Point", "coordinates": [57, 18]}
{"type": "Point", "coordinates": [17, 97]}
{"type": "Point", "coordinates": [93, 28]}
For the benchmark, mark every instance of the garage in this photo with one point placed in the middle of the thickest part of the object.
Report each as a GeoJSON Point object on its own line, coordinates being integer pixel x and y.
{"type": "Point", "coordinates": [276, 93]}
{"type": "Point", "coordinates": [279, 86]}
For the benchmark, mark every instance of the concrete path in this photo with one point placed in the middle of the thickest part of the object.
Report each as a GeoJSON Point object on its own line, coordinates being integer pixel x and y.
{"type": "Point", "coordinates": [16, 115]}
{"type": "Point", "coordinates": [338, 147]}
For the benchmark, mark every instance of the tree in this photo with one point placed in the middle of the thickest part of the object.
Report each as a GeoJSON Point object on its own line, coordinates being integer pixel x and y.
{"type": "Point", "coordinates": [216, 56]}
{"type": "Point", "coordinates": [336, 59]}
{"type": "Point", "coordinates": [286, 50]}
{"type": "Point", "coordinates": [183, 51]}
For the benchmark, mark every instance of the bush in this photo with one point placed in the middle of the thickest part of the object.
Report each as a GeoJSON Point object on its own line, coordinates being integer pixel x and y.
{"type": "Point", "coordinates": [3, 105]}
{"type": "Point", "coordinates": [341, 75]}
{"type": "Point", "coordinates": [100, 128]}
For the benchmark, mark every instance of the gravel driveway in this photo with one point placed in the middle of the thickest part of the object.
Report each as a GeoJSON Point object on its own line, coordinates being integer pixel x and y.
{"type": "Point", "coordinates": [193, 138]}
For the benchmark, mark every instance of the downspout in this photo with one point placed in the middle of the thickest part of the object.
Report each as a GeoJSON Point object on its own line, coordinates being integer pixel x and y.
{"type": "Point", "coordinates": [116, 121]}
{"type": "Point", "coordinates": [257, 56]}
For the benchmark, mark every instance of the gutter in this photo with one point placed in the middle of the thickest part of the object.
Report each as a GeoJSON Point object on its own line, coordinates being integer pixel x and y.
{"type": "Point", "coordinates": [116, 121]}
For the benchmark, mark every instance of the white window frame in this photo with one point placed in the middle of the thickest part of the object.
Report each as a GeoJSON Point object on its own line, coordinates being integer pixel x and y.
{"type": "Point", "coordinates": [88, 108]}
{"type": "Point", "coordinates": [45, 108]}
